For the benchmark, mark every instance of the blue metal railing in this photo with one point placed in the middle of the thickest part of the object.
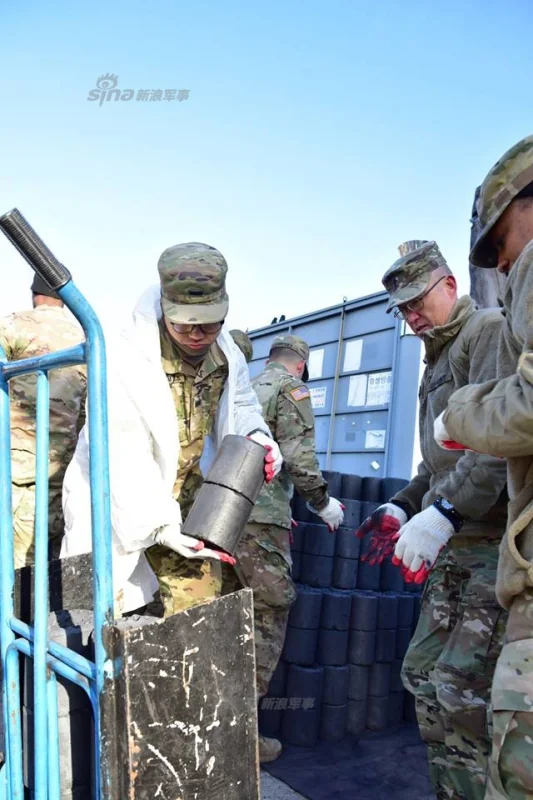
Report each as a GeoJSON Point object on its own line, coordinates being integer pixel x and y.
{"type": "Point", "coordinates": [16, 636]}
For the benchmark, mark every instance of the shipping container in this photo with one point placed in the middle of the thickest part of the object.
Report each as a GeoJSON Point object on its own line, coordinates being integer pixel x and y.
{"type": "Point", "coordinates": [363, 376]}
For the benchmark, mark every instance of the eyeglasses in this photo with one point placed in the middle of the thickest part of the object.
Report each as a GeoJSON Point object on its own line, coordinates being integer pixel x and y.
{"type": "Point", "coordinates": [210, 327]}
{"type": "Point", "coordinates": [402, 311]}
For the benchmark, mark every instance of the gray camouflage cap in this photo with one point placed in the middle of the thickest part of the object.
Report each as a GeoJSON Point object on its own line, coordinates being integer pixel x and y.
{"type": "Point", "coordinates": [244, 343]}
{"type": "Point", "coordinates": [410, 276]}
{"type": "Point", "coordinates": [297, 345]}
{"type": "Point", "coordinates": [512, 173]}
{"type": "Point", "coordinates": [193, 284]}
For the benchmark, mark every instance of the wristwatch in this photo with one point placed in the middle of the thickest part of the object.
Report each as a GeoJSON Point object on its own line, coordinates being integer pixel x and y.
{"type": "Point", "coordinates": [451, 513]}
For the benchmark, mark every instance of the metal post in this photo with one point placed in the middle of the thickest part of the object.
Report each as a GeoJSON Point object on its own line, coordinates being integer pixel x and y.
{"type": "Point", "coordinates": [395, 379]}
{"type": "Point", "coordinates": [100, 502]}
{"type": "Point", "coordinates": [331, 431]}
{"type": "Point", "coordinates": [10, 665]}
{"type": "Point", "coordinates": [54, 773]}
{"type": "Point", "coordinates": [40, 693]}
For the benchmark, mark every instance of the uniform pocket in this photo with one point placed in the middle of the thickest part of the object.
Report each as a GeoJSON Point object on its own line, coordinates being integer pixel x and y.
{"type": "Point", "coordinates": [464, 671]}
{"type": "Point", "coordinates": [511, 761]}
{"type": "Point", "coordinates": [274, 552]}
{"type": "Point", "coordinates": [266, 569]}
{"type": "Point", "coordinates": [513, 678]}
{"type": "Point", "coordinates": [443, 597]}
{"type": "Point", "coordinates": [275, 586]}
{"type": "Point", "coordinates": [476, 640]}
{"type": "Point", "coordinates": [444, 379]}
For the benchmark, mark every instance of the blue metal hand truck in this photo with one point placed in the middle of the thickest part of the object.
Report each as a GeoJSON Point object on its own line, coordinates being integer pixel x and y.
{"type": "Point", "coordinates": [17, 637]}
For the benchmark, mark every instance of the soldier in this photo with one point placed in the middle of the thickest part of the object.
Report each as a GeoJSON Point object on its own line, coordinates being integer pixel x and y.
{"type": "Point", "coordinates": [264, 554]}
{"type": "Point", "coordinates": [25, 334]}
{"type": "Point", "coordinates": [456, 501]}
{"type": "Point", "coordinates": [497, 418]}
{"type": "Point", "coordinates": [177, 380]}
{"type": "Point", "coordinates": [244, 343]}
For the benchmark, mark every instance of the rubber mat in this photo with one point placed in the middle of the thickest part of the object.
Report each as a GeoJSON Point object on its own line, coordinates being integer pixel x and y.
{"type": "Point", "coordinates": [379, 766]}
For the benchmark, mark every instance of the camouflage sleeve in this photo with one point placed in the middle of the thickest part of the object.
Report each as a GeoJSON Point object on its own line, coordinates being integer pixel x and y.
{"type": "Point", "coordinates": [10, 341]}
{"type": "Point", "coordinates": [82, 416]}
{"type": "Point", "coordinates": [295, 434]}
{"type": "Point", "coordinates": [477, 481]}
{"type": "Point", "coordinates": [4, 338]}
{"type": "Point", "coordinates": [411, 496]}
{"type": "Point", "coordinates": [497, 416]}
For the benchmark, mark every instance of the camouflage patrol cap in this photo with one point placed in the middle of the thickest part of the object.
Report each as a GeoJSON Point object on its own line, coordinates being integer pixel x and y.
{"type": "Point", "coordinates": [297, 345]}
{"type": "Point", "coordinates": [244, 343]}
{"type": "Point", "coordinates": [410, 275]}
{"type": "Point", "coordinates": [193, 284]}
{"type": "Point", "coordinates": [512, 173]}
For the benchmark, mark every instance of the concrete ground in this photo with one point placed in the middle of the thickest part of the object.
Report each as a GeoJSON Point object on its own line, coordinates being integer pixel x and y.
{"type": "Point", "coordinates": [273, 789]}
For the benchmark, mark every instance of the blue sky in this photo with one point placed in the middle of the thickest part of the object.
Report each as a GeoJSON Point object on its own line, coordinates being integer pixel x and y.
{"type": "Point", "coordinates": [317, 136]}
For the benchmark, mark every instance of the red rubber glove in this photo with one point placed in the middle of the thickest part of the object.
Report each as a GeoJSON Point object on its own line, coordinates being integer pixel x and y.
{"type": "Point", "coordinates": [384, 525]}
{"type": "Point", "coordinates": [412, 577]}
{"type": "Point", "coordinates": [273, 458]}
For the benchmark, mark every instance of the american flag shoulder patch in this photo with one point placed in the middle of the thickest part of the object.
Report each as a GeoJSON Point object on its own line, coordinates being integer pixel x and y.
{"type": "Point", "coordinates": [301, 393]}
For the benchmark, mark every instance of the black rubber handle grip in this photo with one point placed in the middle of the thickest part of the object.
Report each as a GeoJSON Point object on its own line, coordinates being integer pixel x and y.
{"type": "Point", "coordinates": [34, 250]}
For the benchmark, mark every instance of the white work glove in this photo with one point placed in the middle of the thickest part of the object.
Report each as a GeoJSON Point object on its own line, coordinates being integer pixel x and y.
{"type": "Point", "coordinates": [187, 546]}
{"type": "Point", "coordinates": [273, 458]}
{"type": "Point", "coordinates": [419, 543]}
{"type": "Point", "coordinates": [442, 437]}
{"type": "Point", "coordinates": [332, 514]}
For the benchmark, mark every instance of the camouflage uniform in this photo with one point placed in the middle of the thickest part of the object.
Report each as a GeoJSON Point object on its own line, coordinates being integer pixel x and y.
{"type": "Point", "coordinates": [495, 417]}
{"type": "Point", "coordinates": [196, 392]}
{"type": "Point", "coordinates": [244, 343]}
{"type": "Point", "coordinates": [451, 659]}
{"type": "Point", "coordinates": [264, 554]}
{"type": "Point", "coordinates": [450, 665]}
{"type": "Point", "coordinates": [42, 330]}
{"type": "Point", "coordinates": [188, 272]}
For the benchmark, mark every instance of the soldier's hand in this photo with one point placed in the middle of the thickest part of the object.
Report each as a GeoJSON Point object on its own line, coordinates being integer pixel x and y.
{"type": "Point", "coordinates": [384, 526]}
{"type": "Point", "coordinates": [187, 546]}
{"type": "Point", "coordinates": [420, 542]}
{"type": "Point", "coordinates": [273, 458]}
{"type": "Point", "coordinates": [332, 514]}
{"type": "Point", "coordinates": [442, 437]}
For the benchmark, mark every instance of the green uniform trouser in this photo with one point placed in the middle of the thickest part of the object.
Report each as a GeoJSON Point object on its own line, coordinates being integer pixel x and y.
{"type": "Point", "coordinates": [264, 565]}
{"type": "Point", "coordinates": [450, 664]}
{"type": "Point", "coordinates": [183, 582]}
{"type": "Point", "coordinates": [24, 524]}
{"type": "Point", "coordinates": [511, 761]}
